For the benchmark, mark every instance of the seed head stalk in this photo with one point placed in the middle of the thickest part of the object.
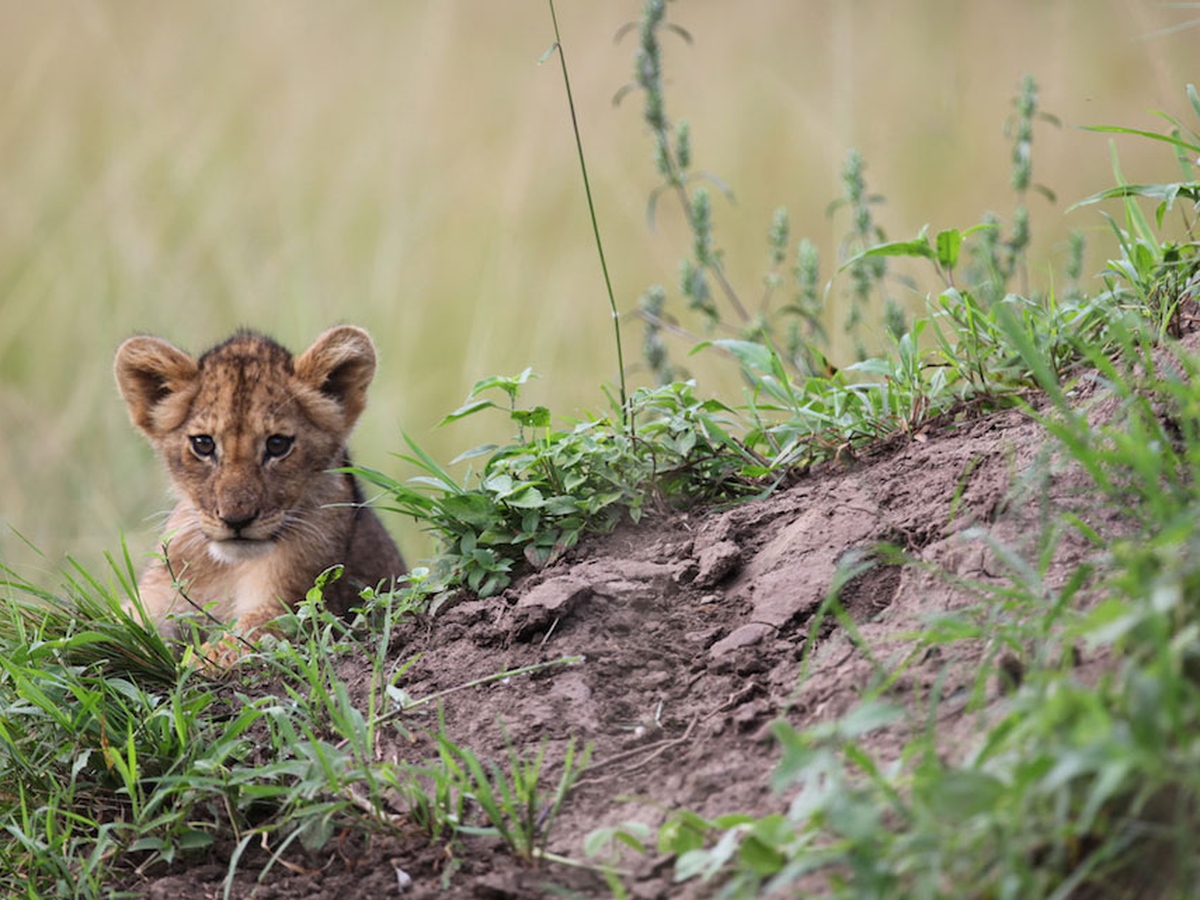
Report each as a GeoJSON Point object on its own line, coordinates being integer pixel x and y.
{"type": "Point", "coordinates": [626, 414]}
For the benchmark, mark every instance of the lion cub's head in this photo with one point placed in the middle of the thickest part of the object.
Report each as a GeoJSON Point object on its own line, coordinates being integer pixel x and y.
{"type": "Point", "coordinates": [247, 432]}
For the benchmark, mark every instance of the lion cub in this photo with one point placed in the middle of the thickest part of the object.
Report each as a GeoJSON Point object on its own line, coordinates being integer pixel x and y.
{"type": "Point", "coordinates": [249, 436]}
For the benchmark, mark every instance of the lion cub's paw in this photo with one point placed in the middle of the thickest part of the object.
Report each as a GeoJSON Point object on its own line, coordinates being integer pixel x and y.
{"type": "Point", "coordinates": [216, 658]}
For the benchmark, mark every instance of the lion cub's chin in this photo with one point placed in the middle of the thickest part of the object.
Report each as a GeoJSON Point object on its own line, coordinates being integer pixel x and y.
{"type": "Point", "coordinates": [239, 550]}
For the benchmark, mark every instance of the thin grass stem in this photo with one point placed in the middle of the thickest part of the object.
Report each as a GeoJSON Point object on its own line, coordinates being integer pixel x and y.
{"type": "Point", "coordinates": [627, 418]}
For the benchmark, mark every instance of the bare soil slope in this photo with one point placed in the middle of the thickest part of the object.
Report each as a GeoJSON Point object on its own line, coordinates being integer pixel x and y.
{"type": "Point", "coordinates": [694, 630]}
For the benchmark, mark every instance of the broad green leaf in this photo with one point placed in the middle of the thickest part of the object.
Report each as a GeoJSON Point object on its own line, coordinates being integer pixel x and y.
{"type": "Point", "coordinates": [467, 409]}
{"type": "Point", "coordinates": [475, 510]}
{"type": "Point", "coordinates": [918, 247]}
{"type": "Point", "coordinates": [683, 832]}
{"type": "Point", "coordinates": [873, 366]}
{"type": "Point", "coordinates": [500, 484]}
{"type": "Point", "coordinates": [538, 417]}
{"type": "Point", "coordinates": [959, 794]}
{"type": "Point", "coordinates": [561, 505]}
{"type": "Point", "coordinates": [750, 354]}
{"type": "Point", "coordinates": [1110, 621]}
{"type": "Point", "coordinates": [193, 839]}
{"type": "Point", "coordinates": [759, 856]}
{"type": "Point", "coordinates": [525, 497]}
{"type": "Point", "coordinates": [510, 385]}
{"type": "Point", "coordinates": [949, 242]}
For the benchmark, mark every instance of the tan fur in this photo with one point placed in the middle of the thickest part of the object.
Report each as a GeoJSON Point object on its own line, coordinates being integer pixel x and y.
{"type": "Point", "coordinates": [254, 526]}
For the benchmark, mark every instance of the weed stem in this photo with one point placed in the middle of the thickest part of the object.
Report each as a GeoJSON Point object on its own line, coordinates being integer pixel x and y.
{"type": "Point", "coordinates": [626, 413]}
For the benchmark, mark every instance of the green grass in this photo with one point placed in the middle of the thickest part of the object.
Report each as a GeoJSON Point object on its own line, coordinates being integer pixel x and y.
{"type": "Point", "coordinates": [118, 756]}
{"type": "Point", "coordinates": [114, 754]}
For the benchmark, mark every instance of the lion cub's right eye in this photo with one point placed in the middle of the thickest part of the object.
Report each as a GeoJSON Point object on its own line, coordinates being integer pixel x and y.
{"type": "Point", "coordinates": [278, 446]}
{"type": "Point", "coordinates": [203, 445]}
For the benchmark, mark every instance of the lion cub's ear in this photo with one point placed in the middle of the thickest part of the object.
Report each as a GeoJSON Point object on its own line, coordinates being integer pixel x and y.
{"type": "Point", "coordinates": [340, 364]}
{"type": "Point", "coordinates": [157, 381]}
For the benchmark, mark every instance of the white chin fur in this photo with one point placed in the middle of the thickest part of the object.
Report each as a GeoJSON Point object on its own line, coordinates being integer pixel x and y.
{"type": "Point", "coordinates": [238, 551]}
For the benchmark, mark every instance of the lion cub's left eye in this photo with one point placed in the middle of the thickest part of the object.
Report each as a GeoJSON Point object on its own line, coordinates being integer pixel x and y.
{"type": "Point", "coordinates": [203, 445]}
{"type": "Point", "coordinates": [278, 445]}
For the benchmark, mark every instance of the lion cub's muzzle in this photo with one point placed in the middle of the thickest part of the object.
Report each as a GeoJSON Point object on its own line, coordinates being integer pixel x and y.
{"type": "Point", "coordinates": [228, 544]}
{"type": "Point", "coordinates": [238, 528]}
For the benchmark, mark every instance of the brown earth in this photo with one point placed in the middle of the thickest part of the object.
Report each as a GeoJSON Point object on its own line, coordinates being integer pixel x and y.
{"type": "Point", "coordinates": [693, 629]}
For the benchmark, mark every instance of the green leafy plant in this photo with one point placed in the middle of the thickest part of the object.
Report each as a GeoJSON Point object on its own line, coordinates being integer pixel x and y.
{"type": "Point", "coordinates": [1151, 272]}
{"type": "Point", "coordinates": [534, 498]}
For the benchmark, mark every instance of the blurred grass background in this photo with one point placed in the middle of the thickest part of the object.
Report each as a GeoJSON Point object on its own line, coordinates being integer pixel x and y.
{"type": "Point", "coordinates": [183, 169]}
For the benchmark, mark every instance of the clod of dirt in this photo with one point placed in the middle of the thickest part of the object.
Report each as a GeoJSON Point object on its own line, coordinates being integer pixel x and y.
{"type": "Point", "coordinates": [551, 600]}
{"type": "Point", "coordinates": [716, 562]}
{"type": "Point", "coordinates": [746, 636]}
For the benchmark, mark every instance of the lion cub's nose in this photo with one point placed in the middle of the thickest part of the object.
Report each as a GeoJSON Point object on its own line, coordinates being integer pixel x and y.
{"type": "Point", "coordinates": [237, 521]}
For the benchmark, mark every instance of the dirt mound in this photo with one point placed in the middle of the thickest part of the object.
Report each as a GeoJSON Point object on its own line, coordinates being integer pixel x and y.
{"type": "Point", "coordinates": [693, 631]}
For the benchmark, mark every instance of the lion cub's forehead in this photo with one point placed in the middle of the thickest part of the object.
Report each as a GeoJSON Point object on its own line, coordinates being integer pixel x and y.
{"type": "Point", "coordinates": [246, 382]}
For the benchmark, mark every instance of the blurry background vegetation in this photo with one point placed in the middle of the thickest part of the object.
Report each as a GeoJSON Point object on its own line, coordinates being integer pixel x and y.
{"type": "Point", "coordinates": [183, 169]}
